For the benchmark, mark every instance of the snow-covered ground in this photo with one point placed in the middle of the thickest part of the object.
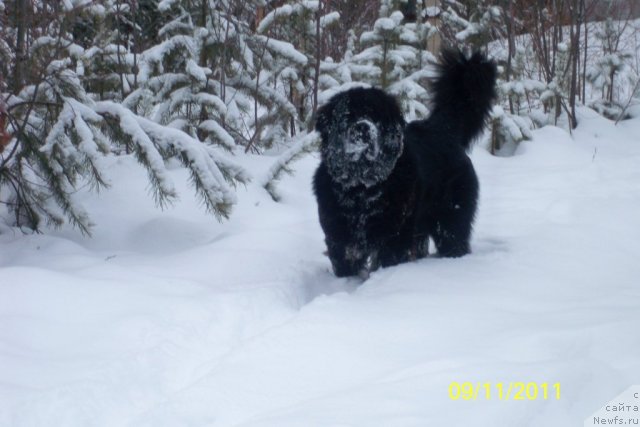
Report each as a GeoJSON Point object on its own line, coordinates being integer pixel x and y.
{"type": "Point", "coordinates": [171, 319]}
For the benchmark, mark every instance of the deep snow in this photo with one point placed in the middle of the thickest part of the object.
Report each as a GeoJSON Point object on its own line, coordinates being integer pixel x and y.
{"type": "Point", "coordinates": [171, 319]}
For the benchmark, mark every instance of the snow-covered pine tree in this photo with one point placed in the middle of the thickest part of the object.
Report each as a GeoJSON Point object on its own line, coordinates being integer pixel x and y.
{"type": "Point", "coordinates": [58, 135]}
{"type": "Point", "coordinates": [393, 56]}
{"type": "Point", "coordinates": [410, 90]}
{"type": "Point", "coordinates": [556, 93]}
{"type": "Point", "coordinates": [518, 88]}
{"type": "Point", "coordinates": [106, 32]}
{"type": "Point", "coordinates": [34, 182]}
{"type": "Point", "coordinates": [305, 23]}
{"type": "Point", "coordinates": [339, 76]}
{"type": "Point", "coordinates": [279, 74]}
{"type": "Point", "coordinates": [383, 61]}
{"type": "Point", "coordinates": [216, 78]}
{"type": "Point", "coordinates": [522, 94]}
{"type": "Point", "coordinates": [176, 90]}
{"type": "Point", "coordinates": [472, 24]}
{"type": "Point", "coordinates": [610, 64]}
{"type": "Point", "coordinates": [306, 84]}
{"type": "Point", "coordinates": [507, 131]}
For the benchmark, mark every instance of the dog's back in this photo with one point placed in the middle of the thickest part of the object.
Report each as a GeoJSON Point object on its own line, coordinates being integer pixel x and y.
{"type": "Point", "coordinates": [463, 91]}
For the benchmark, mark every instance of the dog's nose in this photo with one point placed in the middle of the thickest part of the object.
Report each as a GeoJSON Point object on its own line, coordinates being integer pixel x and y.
{"type": "Point", "coordinates": [363, 139]}
{"type": "Point", "coordinates": [362, 128]}
{"type": "Point", "coordinates": [354, 148]}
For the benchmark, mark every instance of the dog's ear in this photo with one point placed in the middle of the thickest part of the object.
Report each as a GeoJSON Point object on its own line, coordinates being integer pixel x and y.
{"type": "Point", "coordinates": [323, 116]}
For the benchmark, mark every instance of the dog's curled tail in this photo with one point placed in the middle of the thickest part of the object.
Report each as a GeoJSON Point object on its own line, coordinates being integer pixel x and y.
{"type": "Point", "coordinates": [464, 89]}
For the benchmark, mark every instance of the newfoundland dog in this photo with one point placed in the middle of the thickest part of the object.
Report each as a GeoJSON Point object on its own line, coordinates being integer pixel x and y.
{"type": "Point", "coordinates": [385, 187]}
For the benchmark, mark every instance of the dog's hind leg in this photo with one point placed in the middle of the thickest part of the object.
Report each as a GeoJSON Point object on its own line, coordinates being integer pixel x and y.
{"type": "Point", "coordinates": [452, 238]}
{"type": "Point", "coordinates": [453, 223]}
{"type": "Point", "coordinates": [396, 250]}
{"type": "Point", "coordinates": [420, 248]}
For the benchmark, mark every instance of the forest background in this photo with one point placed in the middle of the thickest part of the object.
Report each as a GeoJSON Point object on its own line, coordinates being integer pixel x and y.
{"type": "Point", "coordinates": [194, 83]}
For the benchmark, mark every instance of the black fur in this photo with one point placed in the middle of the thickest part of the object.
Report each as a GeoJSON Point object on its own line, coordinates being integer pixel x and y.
{"type": "Point", "coordinates": [383, 187]}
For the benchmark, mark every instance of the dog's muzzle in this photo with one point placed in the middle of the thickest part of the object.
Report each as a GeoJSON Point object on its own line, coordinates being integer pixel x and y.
{"type": "Point", "coordinates": [362, 139]}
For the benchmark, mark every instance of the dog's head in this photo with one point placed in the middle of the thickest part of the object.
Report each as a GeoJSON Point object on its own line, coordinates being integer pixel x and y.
{"type": "Point", "coordinates": [361, 133]}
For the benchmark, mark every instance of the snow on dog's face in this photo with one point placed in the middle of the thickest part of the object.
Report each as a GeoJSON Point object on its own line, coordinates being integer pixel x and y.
{"type": "Point", "coordinates": [361, 136]}
{"type": "Point", "coordinates": [362, 140]}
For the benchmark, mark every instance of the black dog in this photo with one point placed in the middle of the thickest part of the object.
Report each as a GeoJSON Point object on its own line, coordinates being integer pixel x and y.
{"type": "Point", "coordinates": [384, 188]}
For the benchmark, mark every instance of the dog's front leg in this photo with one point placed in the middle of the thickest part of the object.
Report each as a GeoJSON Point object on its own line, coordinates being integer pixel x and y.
{"type": "Point", "coordinates": [346, 259]}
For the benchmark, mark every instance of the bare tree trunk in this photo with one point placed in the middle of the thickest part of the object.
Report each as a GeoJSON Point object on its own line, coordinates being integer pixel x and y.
{"type": "Point", "coordinates": [576, 23]}
{"type": "Point", "coordinates": [20, 16]}
{"type": "Point", "coordinates": [204, 10]}
{"type": "Point", "coordinates": [316, 75]}
{"type": "Point", "coordinates": [292, 120]}
{"type": "Point", "coordinates": [385, 51]}
{"type": "Point", "coordinates": [612, 76]}
{"type": "Point", "coordinates": [541, 44]}
{"type": "Point", "coordinates": [511, 50]}
{"type": "Point", "coordinates": [136, 47]}
{"type": "Point", "coordinates": [223, 72]}
{"type": "Point", "coordinates": [119, 43]}
{"type": "Point", "coordinates": [495, 142]}
{"type": "Point", "coordinates": [584, 61]}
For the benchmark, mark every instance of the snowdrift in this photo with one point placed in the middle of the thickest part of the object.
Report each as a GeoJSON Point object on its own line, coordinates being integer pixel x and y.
{"type": "Point", "coordinates": [171, 319]}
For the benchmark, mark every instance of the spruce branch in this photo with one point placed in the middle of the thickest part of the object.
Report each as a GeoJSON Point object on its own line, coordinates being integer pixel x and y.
{"type": "Point", "coordinates": [302, 145]}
